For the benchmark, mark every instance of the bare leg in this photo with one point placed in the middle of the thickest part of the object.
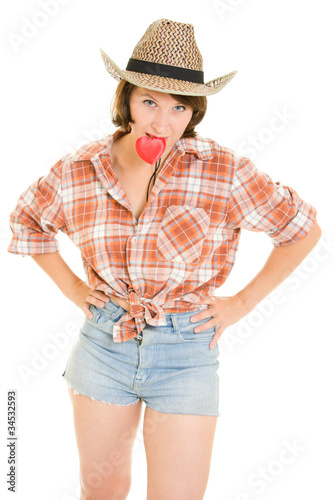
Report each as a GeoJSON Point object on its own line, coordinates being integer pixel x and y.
{"type": "Point", "coordinates": [178, 451]}
{"type": "Point", "coordinates": [105, 436]}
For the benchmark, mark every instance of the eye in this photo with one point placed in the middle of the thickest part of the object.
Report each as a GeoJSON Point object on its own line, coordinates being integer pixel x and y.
{"type": "Point", "coordinates": [149, 103]}
{"type": "Point", "coordinates": [179, 108]}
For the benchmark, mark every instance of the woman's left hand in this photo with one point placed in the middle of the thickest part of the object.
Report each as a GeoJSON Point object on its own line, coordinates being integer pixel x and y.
{"type": "Point", "coordinates": [225, 311]}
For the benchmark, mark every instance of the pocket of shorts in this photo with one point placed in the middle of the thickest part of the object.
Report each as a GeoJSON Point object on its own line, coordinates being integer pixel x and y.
{"type": "Point", "coordinates": [182, 233]}
{"type": "Point", "coordinates": [186, 333]}
{"type": "Point", "coordinates": [103, 319]}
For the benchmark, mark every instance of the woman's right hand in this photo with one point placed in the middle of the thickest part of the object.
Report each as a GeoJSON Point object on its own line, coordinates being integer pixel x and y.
{"type": "Point", "coordinates": [83, 296]}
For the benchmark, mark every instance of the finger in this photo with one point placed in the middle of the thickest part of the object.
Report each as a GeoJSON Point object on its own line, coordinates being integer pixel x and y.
{"type": "Point", "coordinates": [205, 326]}
{"type": "Point", "coordinates": [102, 296]}
{"type": "Point", "coordinates": [215, 339]}
{"type": "Point", "coordinates": [87, 312]}
{"type": "Point", "coordinates": [98, 298]}
{"type": "Point", "coordinates": [206, 313]}
{"type": "Point", "coordinates": [200, 316]}
{"type": "Point", "coordinates": [218, 333]}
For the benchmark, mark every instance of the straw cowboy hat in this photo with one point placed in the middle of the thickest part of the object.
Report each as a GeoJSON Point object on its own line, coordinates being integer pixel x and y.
{"type": "Point", "coordinates": [167, 59]}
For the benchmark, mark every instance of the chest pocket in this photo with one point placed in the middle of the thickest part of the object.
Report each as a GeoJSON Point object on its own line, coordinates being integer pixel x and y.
{"type": "Point", "coordinates": [182, 232]}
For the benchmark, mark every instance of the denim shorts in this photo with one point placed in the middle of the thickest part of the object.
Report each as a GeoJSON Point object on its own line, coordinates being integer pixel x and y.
{"type": "Point", "coordinates": [171, 368]}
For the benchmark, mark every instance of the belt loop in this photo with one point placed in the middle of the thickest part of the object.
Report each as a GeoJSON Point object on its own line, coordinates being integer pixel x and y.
{"type": "Point", "coordinates": [174, 322]}
{"type": "Point", "coordinates": [118, 314]}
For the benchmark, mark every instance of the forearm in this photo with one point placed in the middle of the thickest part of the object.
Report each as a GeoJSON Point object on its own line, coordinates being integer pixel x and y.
{"type": "Point", "coordinates": [281, 262]}
{"type": "Point", "coordinates": [57, 269]}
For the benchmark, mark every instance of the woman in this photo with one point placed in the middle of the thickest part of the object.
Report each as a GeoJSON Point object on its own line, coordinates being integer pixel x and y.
{"type": "Point", "coordinates": [156, 242]}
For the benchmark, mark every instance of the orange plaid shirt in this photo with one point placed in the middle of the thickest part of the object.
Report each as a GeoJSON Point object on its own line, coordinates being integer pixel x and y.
{"type": "Point", "coordinates": [183, 246]}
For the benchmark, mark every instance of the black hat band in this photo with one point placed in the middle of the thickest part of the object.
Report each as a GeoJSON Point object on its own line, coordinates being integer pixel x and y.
{"type": "Point", "coordinates": [188, 75]}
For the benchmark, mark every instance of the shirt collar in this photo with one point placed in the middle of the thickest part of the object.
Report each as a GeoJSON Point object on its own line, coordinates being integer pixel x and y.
{"type": "Point", "coordinates": [199, 146]}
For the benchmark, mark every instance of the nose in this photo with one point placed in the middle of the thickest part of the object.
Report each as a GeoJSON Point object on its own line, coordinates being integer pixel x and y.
{"type": "Point", "coordinates": [160, 122]}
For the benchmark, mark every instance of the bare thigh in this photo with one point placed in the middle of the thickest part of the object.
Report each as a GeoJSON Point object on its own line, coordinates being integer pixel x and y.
{"type": "Point", "coordinates": [105, 435]}
{"type": "Point", "coordinates": [178, 449]}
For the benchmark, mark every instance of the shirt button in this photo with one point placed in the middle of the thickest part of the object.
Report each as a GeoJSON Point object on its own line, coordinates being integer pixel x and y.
{"type": "Point", "coordinates": [134, 240]}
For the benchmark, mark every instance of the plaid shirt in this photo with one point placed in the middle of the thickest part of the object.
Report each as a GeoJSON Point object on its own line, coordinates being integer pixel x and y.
{"type": "Point", "coordinates": [184, 244]}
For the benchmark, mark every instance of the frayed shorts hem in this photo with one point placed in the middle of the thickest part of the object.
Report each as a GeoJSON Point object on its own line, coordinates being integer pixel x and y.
{"type": "Point", "coordinates": [77, 393]}
{"type": "Point", "coordinates": [80, 393]}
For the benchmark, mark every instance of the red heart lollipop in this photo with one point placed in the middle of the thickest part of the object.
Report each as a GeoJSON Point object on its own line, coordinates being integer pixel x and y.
{"type": "Point", "coordinates": [150, 149]}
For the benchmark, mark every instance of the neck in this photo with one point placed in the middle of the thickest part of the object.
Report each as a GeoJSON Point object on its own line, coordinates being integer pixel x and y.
{"type": "Point", "coordinates": [126, 150]}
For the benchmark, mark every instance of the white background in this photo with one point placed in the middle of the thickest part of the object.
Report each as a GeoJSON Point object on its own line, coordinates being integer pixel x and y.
{"type": "Point", "coordinates": [275, 366]}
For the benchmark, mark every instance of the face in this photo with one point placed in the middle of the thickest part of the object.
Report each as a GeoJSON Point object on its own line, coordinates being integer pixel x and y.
{"type": "Point", "coordinates": [158, 114]}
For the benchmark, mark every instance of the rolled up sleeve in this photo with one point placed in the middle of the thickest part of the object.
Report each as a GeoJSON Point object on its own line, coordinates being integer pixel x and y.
{"type": "Point", "coordinates": [259, 204]}
{"type": "Point", "coordinates": [38, 215]}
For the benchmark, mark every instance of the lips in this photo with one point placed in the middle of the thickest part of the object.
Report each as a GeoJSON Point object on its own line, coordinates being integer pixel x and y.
{"type": "Point", "coordinates": [155, 136]}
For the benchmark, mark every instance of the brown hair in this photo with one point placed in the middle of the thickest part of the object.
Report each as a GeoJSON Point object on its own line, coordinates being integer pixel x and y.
{"type": "Point", "coordinates": [120, 110]}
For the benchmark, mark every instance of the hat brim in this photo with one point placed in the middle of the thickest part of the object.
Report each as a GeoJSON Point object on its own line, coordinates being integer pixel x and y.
{"type": "Point", "coordinates": [166, 85]}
